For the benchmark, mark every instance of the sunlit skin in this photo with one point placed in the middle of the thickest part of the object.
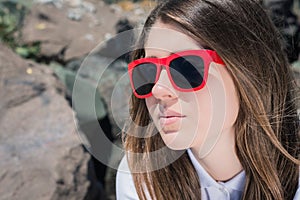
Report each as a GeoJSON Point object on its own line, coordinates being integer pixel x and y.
{"type": "Point", "coordinates": [201, 120]}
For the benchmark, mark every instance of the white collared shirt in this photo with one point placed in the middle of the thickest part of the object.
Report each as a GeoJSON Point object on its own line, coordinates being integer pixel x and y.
{"type": "Point", "coordinates": [210, 189]}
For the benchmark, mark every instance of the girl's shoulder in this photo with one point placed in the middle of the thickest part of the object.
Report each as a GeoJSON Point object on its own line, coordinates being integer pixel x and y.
{"type": "Point", "coordinates": [125, 188]}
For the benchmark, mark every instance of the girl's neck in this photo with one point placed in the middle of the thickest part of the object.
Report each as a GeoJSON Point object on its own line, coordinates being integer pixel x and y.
{"type": "Point", "coordinates": [222, 162]}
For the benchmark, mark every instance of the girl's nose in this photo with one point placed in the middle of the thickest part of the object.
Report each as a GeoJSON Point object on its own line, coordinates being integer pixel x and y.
{"type": "Point", "coordinates": [163, 89]}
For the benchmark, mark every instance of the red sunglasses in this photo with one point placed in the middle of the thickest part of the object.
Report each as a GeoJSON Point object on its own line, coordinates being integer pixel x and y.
{"type": "Point", "coordinates": [187, 71]}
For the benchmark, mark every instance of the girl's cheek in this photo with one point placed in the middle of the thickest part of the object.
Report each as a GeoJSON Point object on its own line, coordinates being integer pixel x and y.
{"type": "Point", "coordinates": [218, 107]}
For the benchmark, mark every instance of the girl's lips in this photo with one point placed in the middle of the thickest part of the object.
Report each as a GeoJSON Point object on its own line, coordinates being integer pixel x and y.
{"type": "Point", "coordinates": [168, 117]}
{"type": "Point", "coordinates": [164, 121]}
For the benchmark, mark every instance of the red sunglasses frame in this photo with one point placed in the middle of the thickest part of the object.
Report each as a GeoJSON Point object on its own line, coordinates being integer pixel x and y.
{"type": "Point", "coordinates": [207, 56]}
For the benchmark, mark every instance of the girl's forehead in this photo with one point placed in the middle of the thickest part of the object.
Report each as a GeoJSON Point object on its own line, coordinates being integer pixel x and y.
{"type": "Point", "coordinates": [168, 38]}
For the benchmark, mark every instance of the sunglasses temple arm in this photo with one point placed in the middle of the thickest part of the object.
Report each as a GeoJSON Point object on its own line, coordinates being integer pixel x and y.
{"type": "Point", "coordinates": [216, 58]}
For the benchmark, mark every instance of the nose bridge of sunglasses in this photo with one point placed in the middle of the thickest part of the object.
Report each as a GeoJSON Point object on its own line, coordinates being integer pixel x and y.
{"type": "Point", "coordinates": [161, 64]}
{"type": "Point", "coordinates": [163, 76]}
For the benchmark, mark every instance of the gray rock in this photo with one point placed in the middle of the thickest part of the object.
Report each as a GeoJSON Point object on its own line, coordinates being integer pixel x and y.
{"type": "Point", "coordinates": [77, 28]}
{"type": "Point", "coordinates": [41, 154]}
{"type": "Point", "coordinates": [70, 32]}
{"type": "Point", "coordinates": [88, 7]}
{"type": "Point", "coordinates": [109, 76]}
{"type": "Point", "coordinates": [75, 14]}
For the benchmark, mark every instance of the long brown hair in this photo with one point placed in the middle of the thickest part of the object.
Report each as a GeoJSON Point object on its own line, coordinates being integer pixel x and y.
{"type": "Point", "coordinates": [267, 127]}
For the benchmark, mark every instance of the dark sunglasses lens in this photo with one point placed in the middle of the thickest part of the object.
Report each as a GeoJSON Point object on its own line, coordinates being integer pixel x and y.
{"type": "Point", "coordinates": [187, 71]}
{"type": "Point", "coordinates": [143, 77]}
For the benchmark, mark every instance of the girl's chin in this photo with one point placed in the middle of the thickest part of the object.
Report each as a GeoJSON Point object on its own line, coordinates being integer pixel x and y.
{"type": "Point", "coordinates": [174, 142]}
{"type": "Point", "coordinates": [170, 129]}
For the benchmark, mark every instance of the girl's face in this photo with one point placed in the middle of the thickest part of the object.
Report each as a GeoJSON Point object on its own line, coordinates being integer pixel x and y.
{"type": "Point", "coordinates": [189, 119]}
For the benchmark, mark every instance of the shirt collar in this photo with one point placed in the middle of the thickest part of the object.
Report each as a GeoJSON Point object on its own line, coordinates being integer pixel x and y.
{"type": "Point", "coordinates": [236, 183]}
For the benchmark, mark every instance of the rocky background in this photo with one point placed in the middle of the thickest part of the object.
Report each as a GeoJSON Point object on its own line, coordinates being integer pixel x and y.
{"type": "Point", "coordinates": [41, 156]}
{"type": "Point", "coordinates": [47, 146]}
{"type": "Point", "coordinates": [44, 147]}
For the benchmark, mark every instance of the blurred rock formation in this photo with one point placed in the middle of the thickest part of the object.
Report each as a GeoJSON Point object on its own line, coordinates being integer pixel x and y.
{"type": "Point", "coordinates": [69, 30]}
{"type": "Point", "coordinates": [41, 153]}
{"type": "Point", "coordinates": [42, 157]}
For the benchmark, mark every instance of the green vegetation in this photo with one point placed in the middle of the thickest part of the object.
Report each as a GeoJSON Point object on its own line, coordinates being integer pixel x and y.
{"type": "Point", "coordinates": [12, 13]}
